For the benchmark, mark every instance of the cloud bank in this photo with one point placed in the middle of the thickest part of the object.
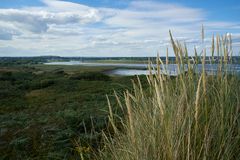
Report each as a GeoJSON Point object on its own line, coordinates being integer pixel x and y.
{"type": "Point", "coordinates": [72, 29]}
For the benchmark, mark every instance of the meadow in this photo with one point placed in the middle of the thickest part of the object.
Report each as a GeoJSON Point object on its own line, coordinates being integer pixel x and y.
{"type": "Point", "coordinates": [46, 110]}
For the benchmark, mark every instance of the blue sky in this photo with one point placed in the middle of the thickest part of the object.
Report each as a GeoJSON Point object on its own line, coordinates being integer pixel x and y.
{"type": "Point", "coordinates": [111, 27]}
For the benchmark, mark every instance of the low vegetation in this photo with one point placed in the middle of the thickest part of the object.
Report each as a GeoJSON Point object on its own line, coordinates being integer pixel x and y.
{"type": "Point", "coordinates": [44, 111]}
{"type": "Point", "coordinates": [91, 76]}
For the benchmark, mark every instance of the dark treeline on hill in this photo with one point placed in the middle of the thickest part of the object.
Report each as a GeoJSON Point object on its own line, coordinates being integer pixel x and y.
{"type": "Point", "coordinates": [7, 61]}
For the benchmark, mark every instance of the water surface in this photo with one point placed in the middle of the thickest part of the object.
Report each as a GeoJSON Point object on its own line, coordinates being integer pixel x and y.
{"type": "Point", "coordinates": [141, 69]}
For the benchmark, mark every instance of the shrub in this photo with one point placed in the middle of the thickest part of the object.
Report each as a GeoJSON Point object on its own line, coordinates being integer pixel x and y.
{"type": "Point", "coordinates": [6, 76]}
{"type": "Point", "coordinates": [41, 84]}
{"type": "Point", "coordinates": [91, 76]}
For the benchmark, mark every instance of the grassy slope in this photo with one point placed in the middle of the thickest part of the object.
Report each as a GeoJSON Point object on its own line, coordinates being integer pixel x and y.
{"type": "Point", "coordinates": [42, 113]}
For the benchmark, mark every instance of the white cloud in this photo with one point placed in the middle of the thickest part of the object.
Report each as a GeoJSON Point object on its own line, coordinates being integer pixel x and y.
{"type": "Point", "coordinates": [7, 32]}
{"type": "Point", "coordinates": [68, 29]}
{"type": "Point", "coordinates": [39, 21]}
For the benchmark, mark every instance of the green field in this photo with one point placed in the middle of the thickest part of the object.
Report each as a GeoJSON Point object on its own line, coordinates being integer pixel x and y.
{"type": "Point", "coordinates": [46, 110]}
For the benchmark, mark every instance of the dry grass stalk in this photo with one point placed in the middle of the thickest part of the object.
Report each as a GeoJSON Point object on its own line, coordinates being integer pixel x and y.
{"type": "Point", "coordinates": [165, 121]}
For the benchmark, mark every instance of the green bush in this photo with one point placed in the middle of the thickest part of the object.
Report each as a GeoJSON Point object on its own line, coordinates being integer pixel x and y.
{"type": "Point", "coordinates": [91, 76]}
{"type": "Point", "coordinates": [41, 84]}
{"type": "Point", "coordinates": [6, 76]}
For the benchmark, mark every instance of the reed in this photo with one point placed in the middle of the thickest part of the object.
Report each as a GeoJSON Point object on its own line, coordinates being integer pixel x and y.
{"type": "Point", "coordinates": [193, 116]}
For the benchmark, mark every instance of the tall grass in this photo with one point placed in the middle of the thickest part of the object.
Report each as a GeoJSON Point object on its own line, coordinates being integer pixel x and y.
{"type": "Point", "coordinates": [193, 116]}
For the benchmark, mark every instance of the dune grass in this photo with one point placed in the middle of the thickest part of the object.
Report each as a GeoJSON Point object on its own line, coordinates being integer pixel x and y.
{"type": "Point", "coordinates": [193, 116]}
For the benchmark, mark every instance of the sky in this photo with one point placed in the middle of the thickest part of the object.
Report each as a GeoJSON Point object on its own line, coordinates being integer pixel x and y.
{"type": "Point", "coordinates": [112, 28]}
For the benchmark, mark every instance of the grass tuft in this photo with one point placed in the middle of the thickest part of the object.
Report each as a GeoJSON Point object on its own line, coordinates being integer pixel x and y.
{"type": "Point", "coordinates": [192, 116]}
